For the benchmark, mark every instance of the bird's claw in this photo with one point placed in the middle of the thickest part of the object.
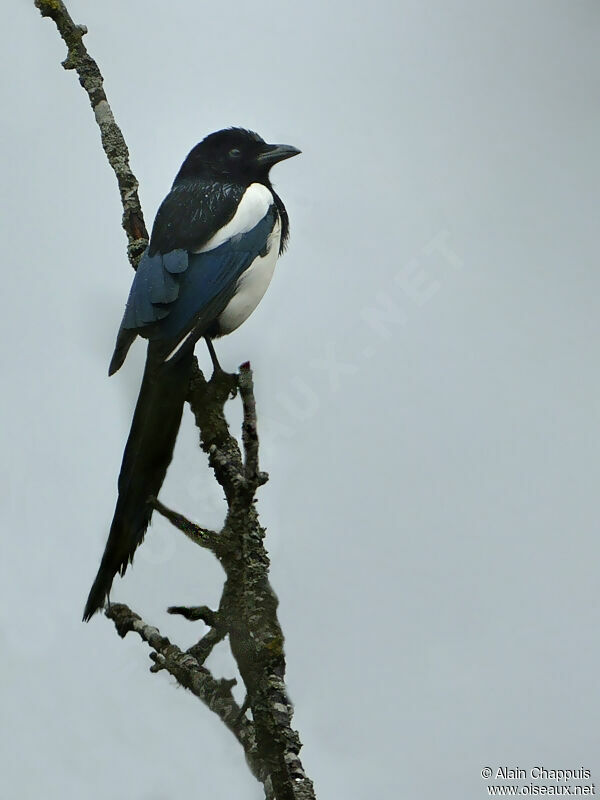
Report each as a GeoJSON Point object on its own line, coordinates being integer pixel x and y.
{"type": "Point", "coordinates": [226, 381]}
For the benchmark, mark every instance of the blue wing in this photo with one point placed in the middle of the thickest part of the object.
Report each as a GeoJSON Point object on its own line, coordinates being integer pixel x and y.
{"type": "Point", "coordinates": [177, 296]}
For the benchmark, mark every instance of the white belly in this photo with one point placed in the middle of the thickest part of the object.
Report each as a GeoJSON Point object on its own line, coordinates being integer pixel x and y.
{"type": "Point", "coordinates": [252, 285]}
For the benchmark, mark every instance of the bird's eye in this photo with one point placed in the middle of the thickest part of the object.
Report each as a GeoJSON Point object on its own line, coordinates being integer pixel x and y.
{"type": "Point", "coordinates": [235, 152]}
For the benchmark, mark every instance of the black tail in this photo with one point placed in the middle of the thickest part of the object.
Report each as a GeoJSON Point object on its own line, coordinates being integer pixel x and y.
{"type": "Point", "coordinates": [147, 455]}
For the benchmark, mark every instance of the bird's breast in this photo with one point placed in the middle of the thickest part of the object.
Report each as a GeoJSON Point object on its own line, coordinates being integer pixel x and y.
{"type": "Point", "coordinates": [251, 285]}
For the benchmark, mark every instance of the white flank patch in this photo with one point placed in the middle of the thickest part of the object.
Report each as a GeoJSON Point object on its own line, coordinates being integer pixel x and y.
{"type": "Point", "coordinates": [252, 284]}
{"type": "Point", "coordinates": [255, 203]}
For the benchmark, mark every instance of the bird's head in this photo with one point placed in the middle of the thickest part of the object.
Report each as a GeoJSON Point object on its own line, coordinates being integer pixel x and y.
{"type": "Point", "coordinates": [234, 154]}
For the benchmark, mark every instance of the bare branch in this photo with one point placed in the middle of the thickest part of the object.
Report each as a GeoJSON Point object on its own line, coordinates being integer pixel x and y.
{"type": "Point", "coordinates": [248, 607]}
{"type": "Point", "coordinates": [113, 142]}
{"type": "Point", "coordinates": [207, 400]}
{"type": "Point", "coordinates": [249, 431]}
{"type": "Point", "coordinates": [205, 646]}
{"type": "Point", "coordinates": [194, 613]}
{"type": "Point", "coordinates": [201, 536]}
{"type": "Point", "coordinates": [215, 694]}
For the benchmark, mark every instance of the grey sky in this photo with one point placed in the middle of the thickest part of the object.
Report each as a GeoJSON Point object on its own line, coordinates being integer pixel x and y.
{"type": "Point", "coordinates": [429, 419]}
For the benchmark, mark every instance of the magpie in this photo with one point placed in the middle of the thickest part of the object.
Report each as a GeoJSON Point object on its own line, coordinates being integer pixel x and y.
{"type": "Point", "coordinates": [211, 256]}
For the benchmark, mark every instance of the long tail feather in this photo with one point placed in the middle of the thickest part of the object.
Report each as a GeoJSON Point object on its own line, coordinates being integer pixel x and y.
{"type": "Point", "coordinates": [146, 458]}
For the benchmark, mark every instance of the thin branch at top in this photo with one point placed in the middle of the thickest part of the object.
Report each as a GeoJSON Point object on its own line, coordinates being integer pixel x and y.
{"type": "Point", "coordinates": [113, 141]}
{"type": "Point", "coordinates": [202, 536]}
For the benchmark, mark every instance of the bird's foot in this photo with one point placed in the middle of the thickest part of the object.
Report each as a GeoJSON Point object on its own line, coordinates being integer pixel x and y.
{"type": "Point", "coordinates": [220, 378]}
{"type": "Point", "coordinates": [226, 382]}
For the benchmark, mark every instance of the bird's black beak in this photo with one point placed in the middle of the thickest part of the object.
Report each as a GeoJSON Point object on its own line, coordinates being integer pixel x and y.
{"type": "Point", "coordinates": [274, 153]}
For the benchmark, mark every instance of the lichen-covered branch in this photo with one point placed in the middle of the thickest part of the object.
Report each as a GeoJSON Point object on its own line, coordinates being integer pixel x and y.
{"type": "Point", "coordinates": [201, 536]}
{"type": "Point", "coordinates": [248, 608]}
{"type": "Point", "coordinates": [254, 478]}
{"type": "Point", "coordinates": [113, 142]}
{"type": "Point", "coordinates": [216, 694]}
{"type": "Point", "coordinates": [207, 399]}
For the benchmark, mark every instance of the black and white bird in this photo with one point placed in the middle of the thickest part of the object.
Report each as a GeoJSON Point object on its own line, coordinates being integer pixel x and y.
{"type": "Point", "coordinates": [214, 244]}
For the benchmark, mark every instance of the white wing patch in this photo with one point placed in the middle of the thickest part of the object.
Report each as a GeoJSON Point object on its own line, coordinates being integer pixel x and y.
{"type": "Point", "coordinates": [178, 347]}
{"type": "Point", "coordinates": [252, 284]}
{"type": "Point", "coordinates": [255, 203]}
